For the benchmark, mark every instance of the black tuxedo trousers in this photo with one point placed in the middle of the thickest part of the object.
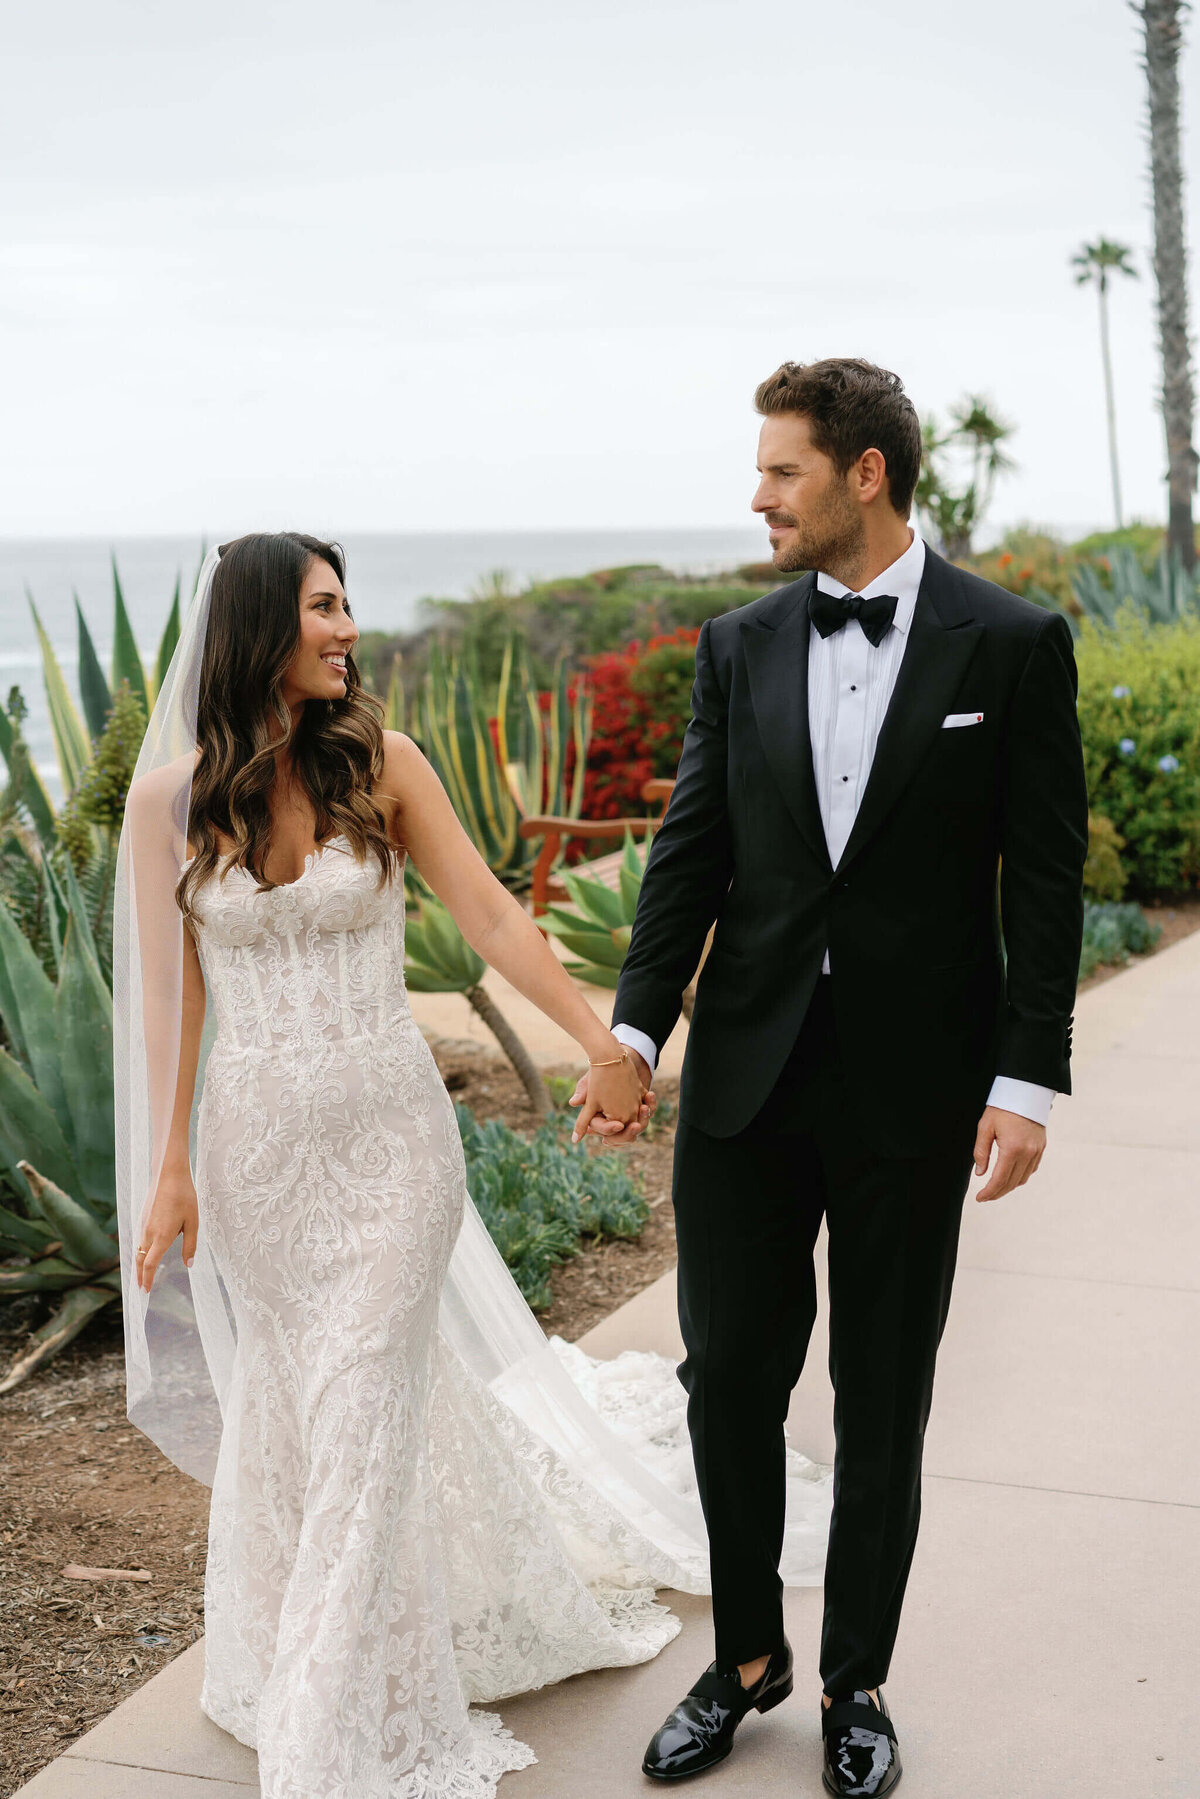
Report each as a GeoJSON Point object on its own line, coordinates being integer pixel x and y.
{"type": "Point", "coordinates": [747, 1209]}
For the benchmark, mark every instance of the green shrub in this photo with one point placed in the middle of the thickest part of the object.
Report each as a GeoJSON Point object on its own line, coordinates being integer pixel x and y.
{"type": "Point", "coordinates": [1139, 712]}
{"type": "Point", "coordinates": [1103, 876]}
{"type": "Point", "coordinates": [560, 1088]}
{"type": "Point", "coordinates": [663, 677]}
{"type": "Point", "coordinates": [1146, 542]}
{"type": "Point", "coordinates": [540, 1195]}
{"type": "Point", "coordinates": [1113, 934]}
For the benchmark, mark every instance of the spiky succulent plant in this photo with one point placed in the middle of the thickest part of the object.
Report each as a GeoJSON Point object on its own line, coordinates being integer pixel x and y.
{"type": "Point", "coordinates": [58, 1229]}
{"type": "Point", "coordinates": [598, 931]}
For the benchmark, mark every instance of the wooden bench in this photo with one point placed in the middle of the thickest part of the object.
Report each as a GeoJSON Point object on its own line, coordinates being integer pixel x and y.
{"type": "Point", "coordinates": [547, 888]}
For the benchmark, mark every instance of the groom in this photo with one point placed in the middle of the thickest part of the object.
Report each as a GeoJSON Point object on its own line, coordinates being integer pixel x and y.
{"type": "Point", "coordinates": [883, 766]}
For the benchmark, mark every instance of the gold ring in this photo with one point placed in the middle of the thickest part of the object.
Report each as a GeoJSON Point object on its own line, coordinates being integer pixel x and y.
{"type": "Point", "coordinates": [143, 1252]}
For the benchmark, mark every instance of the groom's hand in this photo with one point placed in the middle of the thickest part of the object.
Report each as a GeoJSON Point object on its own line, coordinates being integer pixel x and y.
{"type": "Point", "coordinates": [611, 1129]}
{"type": "Point", "coordinates": [1020, 1144]}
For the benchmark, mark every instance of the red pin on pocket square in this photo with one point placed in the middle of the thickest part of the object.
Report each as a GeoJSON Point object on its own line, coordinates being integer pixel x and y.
{"type": "Point", "coordinates": [961, 718]}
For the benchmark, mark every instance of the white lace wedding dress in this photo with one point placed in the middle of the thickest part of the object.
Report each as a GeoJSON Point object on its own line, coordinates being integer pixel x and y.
{"type": "Point", "coordinates": [388, 1541]}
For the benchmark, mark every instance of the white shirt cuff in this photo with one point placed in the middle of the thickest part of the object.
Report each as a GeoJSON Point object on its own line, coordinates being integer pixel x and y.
{"type": "Point", "coordinates": [625, 1033]}
{"type": "Point", "coordinates": [1023, 1097]}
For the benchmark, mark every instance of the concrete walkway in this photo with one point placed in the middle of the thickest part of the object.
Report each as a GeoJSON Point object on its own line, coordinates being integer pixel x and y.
{"type": "Point", "coordinates": [1050, 1644]}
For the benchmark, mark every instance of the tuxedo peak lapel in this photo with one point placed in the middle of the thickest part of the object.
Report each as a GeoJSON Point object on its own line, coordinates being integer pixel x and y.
{"type": "Point", "coordinates": [942, 639]}
{"type": "Point", "coordinates": [776, 651]}
{"type": "Point", "coordinates": [943, 586]}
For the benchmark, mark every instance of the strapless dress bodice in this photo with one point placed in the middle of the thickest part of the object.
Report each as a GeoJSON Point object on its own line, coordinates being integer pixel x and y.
{"type": "Point", "coordinates": [315, 961]}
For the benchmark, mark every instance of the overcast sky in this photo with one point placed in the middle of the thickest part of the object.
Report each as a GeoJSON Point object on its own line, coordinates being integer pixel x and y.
{"type": "Point", "coordinates": [473, 266]}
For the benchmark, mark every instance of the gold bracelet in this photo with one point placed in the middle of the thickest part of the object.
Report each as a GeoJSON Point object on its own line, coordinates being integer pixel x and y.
{"type": "Point", "coordinates": [612, 1062]}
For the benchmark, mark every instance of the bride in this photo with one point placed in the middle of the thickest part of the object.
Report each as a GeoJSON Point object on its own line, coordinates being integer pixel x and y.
{"type": "Point", "coordinates": [414, 1505]}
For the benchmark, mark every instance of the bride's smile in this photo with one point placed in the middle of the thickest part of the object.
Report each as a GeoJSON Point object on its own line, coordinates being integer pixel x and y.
{"type": "Point", "coordinates": [328, 635]}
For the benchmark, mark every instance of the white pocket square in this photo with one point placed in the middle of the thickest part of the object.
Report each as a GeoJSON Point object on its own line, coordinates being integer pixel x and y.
{"type": "Point", "coordinates": [961, 718]}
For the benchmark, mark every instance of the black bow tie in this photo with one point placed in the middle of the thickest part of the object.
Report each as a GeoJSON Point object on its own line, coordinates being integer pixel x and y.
{"type": "Point", "coordinates": [829, 612]}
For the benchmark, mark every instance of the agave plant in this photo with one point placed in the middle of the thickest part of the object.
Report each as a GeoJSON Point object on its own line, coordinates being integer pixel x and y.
{"type": "Point", "coordinates": [493, 784]}
{"type": "Point", "coordinates": [76, 731]}
{"type": "Point", "coordinates": [66, 1250]}
{"type": "Point", "coordinates": [87, 830]}
{"type": "Point", "coordinates": [438, 959]}
{"type": "Point", "coordinates": [56, 1123]}
{"type": "Point", "coordinates": [1162, 595]}
{"type": "Point", "coordinates": [394, 710]}
{"type": "Point", "coordinates": [25, 792]}
{"type": "Point", "coordinates": [598, 931]}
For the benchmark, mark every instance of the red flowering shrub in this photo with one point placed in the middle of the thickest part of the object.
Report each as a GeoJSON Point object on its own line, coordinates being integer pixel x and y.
{"type": "Point", "coordinates": [640, 712]}
{"type": "Point", "coordinates": [640, 696]}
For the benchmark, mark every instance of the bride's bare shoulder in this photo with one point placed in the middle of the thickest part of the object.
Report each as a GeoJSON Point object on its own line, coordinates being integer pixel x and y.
{"type": "Point", "coordinates": [399, 749]}
{"type": "Point", "coordinates": [393, 790]}
{"type": "Point", "coordinates": [403, 761]}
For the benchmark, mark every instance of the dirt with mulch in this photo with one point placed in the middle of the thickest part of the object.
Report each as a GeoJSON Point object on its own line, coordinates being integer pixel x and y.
{"type": "Point", "coordinates": [79, 1484]}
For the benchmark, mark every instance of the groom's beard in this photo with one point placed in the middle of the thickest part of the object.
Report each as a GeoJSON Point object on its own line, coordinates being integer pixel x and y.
{"type": "Point", "coordinates": [832, 536]}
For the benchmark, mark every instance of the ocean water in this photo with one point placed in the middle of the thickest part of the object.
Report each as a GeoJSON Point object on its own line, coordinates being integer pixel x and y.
{"type": "Point", "coordinates": [386, 579]}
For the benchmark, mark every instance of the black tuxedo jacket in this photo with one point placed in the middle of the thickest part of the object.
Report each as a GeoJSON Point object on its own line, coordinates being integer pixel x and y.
{"type": "Point", "coordinates": [925, 1010]}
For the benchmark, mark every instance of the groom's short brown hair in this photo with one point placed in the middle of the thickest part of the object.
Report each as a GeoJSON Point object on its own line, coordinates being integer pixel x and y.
{"type": "Point", "coordinates": [851, 406]}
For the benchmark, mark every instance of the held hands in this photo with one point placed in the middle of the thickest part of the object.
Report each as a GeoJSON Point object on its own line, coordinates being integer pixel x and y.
{"type": "Point", "coordinates": [174, 1210]}
{"type": "Point", "coordinates": [1020, 1145]}
{"type": "Point", "coordinates": [615, 1102]}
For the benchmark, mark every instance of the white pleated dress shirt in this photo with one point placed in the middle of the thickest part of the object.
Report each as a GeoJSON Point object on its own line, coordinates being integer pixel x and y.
{"type": "Point", "coordinates": [850, 684]}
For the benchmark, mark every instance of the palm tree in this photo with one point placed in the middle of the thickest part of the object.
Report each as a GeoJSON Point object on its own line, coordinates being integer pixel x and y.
{"type": "Point", "coordinates": [956, 511]}
{"type": "Point", "coordinates": [1094, 263]}
{"type": "Point", "coordinates": [1163, 31]}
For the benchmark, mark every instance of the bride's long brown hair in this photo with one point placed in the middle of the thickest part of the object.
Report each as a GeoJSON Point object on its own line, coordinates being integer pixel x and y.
{"type": "Point", "coordinates": [336, 746]}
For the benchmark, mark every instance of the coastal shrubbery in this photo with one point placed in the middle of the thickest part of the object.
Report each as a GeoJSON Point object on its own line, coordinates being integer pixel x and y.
{"type": "Point", "coordinates": [578, 616]}
{"type": "Point", "coordinates": [1139, 711]}
{"type": "Point", "coordinates": [1113, 933]}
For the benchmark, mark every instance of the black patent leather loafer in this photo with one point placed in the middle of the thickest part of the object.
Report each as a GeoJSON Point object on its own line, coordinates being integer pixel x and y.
{"type": "Point", "coordinates": [699, 1732]}
{"type": "Point", "coordinates": [862, 1759]}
